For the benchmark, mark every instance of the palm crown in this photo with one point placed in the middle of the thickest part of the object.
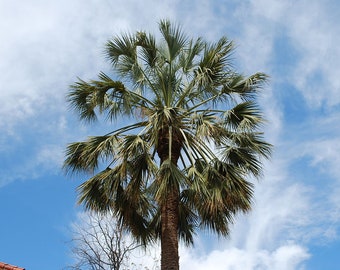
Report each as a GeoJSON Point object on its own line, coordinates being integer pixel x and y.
{"type": "Point", "coordinates": [194, 143]}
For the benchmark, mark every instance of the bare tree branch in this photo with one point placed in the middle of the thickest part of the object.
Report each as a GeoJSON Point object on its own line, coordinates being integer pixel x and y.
{"type": "Point", "coordinates": [99, 243]}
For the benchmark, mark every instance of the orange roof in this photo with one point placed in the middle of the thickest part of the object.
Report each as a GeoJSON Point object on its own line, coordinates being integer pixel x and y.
{"type": "Point", "coordinates": [5, 266]}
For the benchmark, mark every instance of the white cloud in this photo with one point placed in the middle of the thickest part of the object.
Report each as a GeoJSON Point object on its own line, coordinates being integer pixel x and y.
{"type": "Point", "coordinates": [286, 257]}
{"type": "Point", "coordinates": [311, 30]}
{"type": "Point", "coordinates": [325, 155]}
{"type": "Point", "coordinates": [315, 37]}
{"type": "Point", "coordinates": [45, 45]}
{"type": "Point", "coordinates": [46, 160]}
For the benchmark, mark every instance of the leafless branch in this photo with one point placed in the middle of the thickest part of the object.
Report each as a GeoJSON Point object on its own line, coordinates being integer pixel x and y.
{"type": "Point", "coordinates": [99, 243]}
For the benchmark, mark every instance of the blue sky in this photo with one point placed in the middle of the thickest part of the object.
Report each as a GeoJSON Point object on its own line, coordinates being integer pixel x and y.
{"type": "Point", "coordinates": [46, 45]}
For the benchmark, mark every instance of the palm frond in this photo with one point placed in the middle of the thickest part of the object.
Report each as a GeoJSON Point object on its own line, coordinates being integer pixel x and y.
{"type": "Point", "coordinates": [149, 50]}
{"type": "Point", "coordinates": [190, 54]}
{"type": "Point", "coordinates": [188, 222]}
{"type": "Point", "coordinates": [97, 192]}
{"type": "Point", "coordinates": [169, 177]}
{"type": "Point", "coordinates": [246, 88]}
{"type": "Point", "coordinates": [121, 50]}
{"type": "Point", "coordinates": [104, 95]}
{"type": "Point", "coordinates": [244, 116]}
{"type": "Point", "coordinates": [214, 66]}
{"type": "Point", "coordinates": [85, 156]}
{"type": "Point", "coordinates": [253, 141]}
{"type": "Point", "coordinates": [175, 39]}
{"type": "Point", "coordinates": [228, 194]}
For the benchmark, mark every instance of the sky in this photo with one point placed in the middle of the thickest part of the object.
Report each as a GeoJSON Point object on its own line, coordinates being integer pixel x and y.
{"type": "Point", "coordinates": [45, 45]}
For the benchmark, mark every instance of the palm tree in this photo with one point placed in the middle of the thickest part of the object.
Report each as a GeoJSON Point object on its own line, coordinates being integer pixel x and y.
{"type": "Point", "coordinates": [192, 143]}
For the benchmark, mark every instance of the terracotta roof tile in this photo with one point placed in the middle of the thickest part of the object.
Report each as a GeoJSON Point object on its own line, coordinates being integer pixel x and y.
{"type": "Point", "coordinates": [6, 266]}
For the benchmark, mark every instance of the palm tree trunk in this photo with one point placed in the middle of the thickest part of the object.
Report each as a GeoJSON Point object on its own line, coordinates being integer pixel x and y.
{"type": "Point", "coordinates": [169, 237]}
{"type": "Point", "coordinates": [169, 207]}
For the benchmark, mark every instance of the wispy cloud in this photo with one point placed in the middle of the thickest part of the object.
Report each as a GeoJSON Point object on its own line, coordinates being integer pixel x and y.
{"type": "Point", "coordinates": [286, 257]}
{"type": "Point", "coordinates": [46, 45]}
{"type": "Point", "coordinates": [292, 208]}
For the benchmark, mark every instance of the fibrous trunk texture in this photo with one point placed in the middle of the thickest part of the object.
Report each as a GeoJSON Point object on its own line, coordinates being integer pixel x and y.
{"type": "Point", "coordinates": [170, 204]}
{"type": "Point", "coordinates": [169, 238]}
